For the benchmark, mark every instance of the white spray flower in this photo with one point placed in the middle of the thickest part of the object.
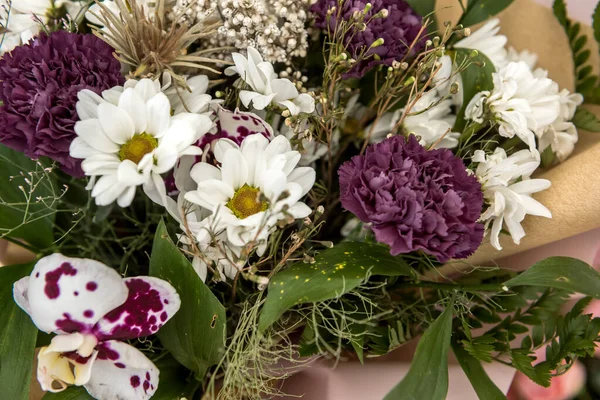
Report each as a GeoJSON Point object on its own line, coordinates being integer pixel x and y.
{"type": "Point", "coordinates": [507, 189]}
{"type": "Point", "coordinates": [266, 87]}
{"type": "Point", "coordinates": [519, 102]}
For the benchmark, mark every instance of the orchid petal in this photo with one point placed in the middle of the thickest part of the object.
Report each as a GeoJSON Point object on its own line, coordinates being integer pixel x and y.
{"type": "Point", "coordinates": [122, 372]}
{"type": "Point", "coordinates": [72, 294]}
{"type": "Point", "coordinates": [150, 304]}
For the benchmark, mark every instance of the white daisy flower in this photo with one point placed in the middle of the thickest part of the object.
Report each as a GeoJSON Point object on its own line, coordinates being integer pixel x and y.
{"type": "Point", "coordinates": [507, 190]}
{"type": "Point", "coordinates": [487, 41]}
{"type": "Point", "coordinates": [266, 87]}
{"type": "Point", "coordinates": [256, 185]}
{"type": "Point", "coordinates": [132, 142]}
{"type": "Point", "coordinates": [520, 103]}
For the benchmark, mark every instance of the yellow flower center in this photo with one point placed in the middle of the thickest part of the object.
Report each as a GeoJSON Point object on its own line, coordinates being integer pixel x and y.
{"type": "Point", "coordinates": [245, 202]}
{"type": "Point", "coordinates": [137, 147]}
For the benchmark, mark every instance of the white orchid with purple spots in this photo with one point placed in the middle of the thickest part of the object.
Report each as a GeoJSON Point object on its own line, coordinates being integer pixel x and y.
{"type": "Point", "coordinates": [92, 309]}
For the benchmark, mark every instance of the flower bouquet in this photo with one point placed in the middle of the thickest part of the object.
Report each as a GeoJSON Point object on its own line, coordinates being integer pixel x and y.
{"type": "Point", "coordinates": [217, 193]}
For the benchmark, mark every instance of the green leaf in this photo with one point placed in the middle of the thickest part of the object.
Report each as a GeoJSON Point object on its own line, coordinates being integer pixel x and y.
{"type": "Point", "coordinates": [17, 337]}
{"type": "Point", "coordinates": [548, 157]}
{"type": "Point", "coordinates": [335, 272]}
{"type": "Point", "coordinates": [428, 374]}
{"type": "Point", "coordinates": [480, 10]}
{"type": "Point", "coordinates": [195, 336]}
{"type": "Point", "coordinates": [560, 11]}
{"type": "Point", "coordinates": [561, 273]}
{"type": "Point", "coordinates": [481, 382]}
{"type": "Point", "coordinates": [476, 77]}
{"type": "Point", "coordinates": [425, 8]}
{"type": "Point", "coordinates": [172, 383]}
{"type": "Point", "coordinates": [596, 23]}
{"type": "Point", "coordinates": [26, 214]}
{"type": "Point", "coordinates": [586, 120]}
{"type": "Point", "coordinates": [71, 393]}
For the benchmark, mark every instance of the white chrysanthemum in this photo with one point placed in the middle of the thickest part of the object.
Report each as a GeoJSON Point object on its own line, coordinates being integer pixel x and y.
{"type": "Point", "coordinates": [266, 87]}
{"type": "Point", "coordinates": [128, 139]}
{"type": "Point", "coordinates": [431, 119]}
{"type": "Point", "coordinates": [256, 185]}
{"type": "Point", "coordinates": [526, 56]}
{"type": "Point", "coordinates": [507, 189]}
{"type": "Point", "coordinates": [519, 102]}
{"type": "Point", "coordinates": [487, 41]}
{"type": "Point", "coordinates": [562, 134]}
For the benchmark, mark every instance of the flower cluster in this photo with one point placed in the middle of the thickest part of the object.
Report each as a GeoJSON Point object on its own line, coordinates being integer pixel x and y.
{"type": "Point", "coordinates": [414, 199]}
{"type": "Point", "coordinates": [278, 29]}
{"type": "Point", "coordinates": [289, 168]}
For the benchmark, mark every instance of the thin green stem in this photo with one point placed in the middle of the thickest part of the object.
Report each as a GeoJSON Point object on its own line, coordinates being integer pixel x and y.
{"type": "Point", "coordinates": [489, 287]}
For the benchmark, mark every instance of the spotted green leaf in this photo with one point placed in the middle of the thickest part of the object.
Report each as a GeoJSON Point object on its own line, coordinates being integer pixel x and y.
{"type": "Point", "coordinates": [335, 272]}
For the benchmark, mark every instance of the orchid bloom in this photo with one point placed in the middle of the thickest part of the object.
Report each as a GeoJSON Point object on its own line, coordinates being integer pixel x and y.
{"type": "Point", "coordinates": [267, 88]}
{"type": "Point", "coordinates": [91, 309]}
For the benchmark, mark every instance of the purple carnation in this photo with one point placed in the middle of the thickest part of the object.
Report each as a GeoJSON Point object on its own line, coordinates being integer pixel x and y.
{"type": "Point", "coordinates": [39, 83]}
{"type": "Point", "coordinates": [414, 199]}
{"type": "Point", "coordinates": [398, 30]}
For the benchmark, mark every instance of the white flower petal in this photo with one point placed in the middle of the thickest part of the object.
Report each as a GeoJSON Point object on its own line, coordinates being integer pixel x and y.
{"type": "Point", "coordinates": [116, 123]}
{"type": "Point", "coordinates": [165, 157]}
{"type": "Point", "coordinates": [304, 176]}
{"type": "Point", "coordinates": [126, 198]}
{"type": "Point", "coordinates": [221, 147]}
{"type": "Point", "coordinates": [234, 170]}
{"type": "Point", "coordinates": [72, 294]}
{"type": "Point", "coordinates": [87, 104]}
{"type": "Point", "coordinates": [133, 104]}
{"type": "Point", "coordinates": [204, 171]}
{"type": "Point", "coordinates": [80, 149]}
{"type": "Point", "coordinates": [100, 164]}
{"type": "Point", "coordinates": [158, 112]}
{"type": "Point", "coordinates": [92, 133]}
{"type": "Point", "coordinates": [129, 175]}
{"type": "Point", "coordinates": [130, 376]}
{"type": "Point", "coordinates": [279, 145]}
{"type": "Point", "coordinates": [147, 88]}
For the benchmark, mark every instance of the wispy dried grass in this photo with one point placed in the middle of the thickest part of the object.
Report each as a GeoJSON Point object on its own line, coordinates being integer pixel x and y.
{"type": "Point", "coordinates": [152, 45]}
